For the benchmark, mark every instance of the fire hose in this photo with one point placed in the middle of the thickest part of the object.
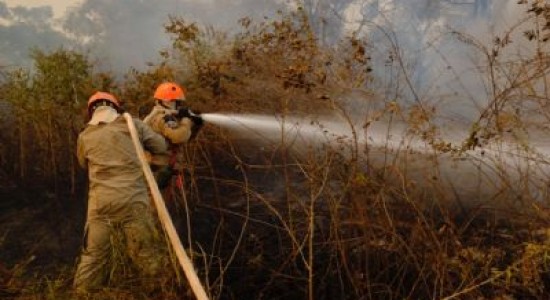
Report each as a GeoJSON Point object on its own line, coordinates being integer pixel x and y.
{"type": "Point", "coordinates": [164, 216]}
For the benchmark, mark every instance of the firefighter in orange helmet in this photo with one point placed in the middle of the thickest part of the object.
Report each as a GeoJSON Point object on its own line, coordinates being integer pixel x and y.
{"type": "Point", "coordinates": [118, 199]}
{"type": "Point", "coordinates": [177, 123]}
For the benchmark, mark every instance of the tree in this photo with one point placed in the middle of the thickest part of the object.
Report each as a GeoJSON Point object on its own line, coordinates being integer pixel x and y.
{"type": "Point", "coordinates": [49, 105]}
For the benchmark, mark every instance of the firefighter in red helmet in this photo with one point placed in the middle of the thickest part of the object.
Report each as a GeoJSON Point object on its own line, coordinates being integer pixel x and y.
{"type": "Point", "coordinates": [177, 123]}
{"type": "Point", "coordinates": [118, 198]}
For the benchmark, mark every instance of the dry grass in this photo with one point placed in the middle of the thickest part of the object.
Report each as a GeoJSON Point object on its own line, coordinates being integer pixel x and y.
{"type": "Point", "coordinates": [344, 220]}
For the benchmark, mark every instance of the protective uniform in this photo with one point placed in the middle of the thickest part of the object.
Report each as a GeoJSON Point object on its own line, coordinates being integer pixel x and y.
{"type": "Point", "coordinates": [166, 118]}
{"type": "Point", "coordinates": [118, 198]}
{"type": "Point", "coordinates": [176, 131]}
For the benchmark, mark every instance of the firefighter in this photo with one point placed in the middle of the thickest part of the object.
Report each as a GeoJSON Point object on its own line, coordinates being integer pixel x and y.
{"type": "Point", "coordinates": [118, 198]}
{"type": "Point", "coordinates": [178, 124]}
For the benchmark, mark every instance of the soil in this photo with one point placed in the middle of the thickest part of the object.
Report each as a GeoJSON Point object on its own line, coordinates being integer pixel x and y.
{"type": "Point", "coordinates": [40, 235]}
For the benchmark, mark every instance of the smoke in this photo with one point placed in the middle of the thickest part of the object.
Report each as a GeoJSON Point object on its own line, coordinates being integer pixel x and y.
{"type": "Point", "coordinates": [22, 29]}
{"type": "Point", "coordinates": [477, 175]}
{"type": "Point", "coordinates": [419, 53]}
{"type": "Point", "coordinates": [118, 34]}
{"type": "Point", "coordinates": [4, 11]}
{"type": "Point", "coordinates": [130, 33]}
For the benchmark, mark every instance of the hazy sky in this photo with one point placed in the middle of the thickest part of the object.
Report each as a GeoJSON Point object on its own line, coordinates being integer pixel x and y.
{"type": "Point", "coordinates": [59, 6]}
{"type": "Point", "coordinates": [124, 33]}
{"type": "Point", "coordinates": [119, 34]}
{"type": "Point", "coordinates": [129, 33]}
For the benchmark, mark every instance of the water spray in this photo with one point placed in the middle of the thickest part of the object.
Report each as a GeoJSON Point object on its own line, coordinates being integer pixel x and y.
{"type": "Point", "coordinates": [314, 131]}
{"type": "Point", "coordinates": [294, 132]}
{"type": "Point", "coordinates": [328, 130]}
{"type": "Point", "coordinates": [465, 171]}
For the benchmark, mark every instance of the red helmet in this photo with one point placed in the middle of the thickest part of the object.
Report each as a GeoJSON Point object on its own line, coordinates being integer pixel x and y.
{"type": "Point", "coordinates": [101, 96]}
{"type": "Point", "coordinates": [169, 91]}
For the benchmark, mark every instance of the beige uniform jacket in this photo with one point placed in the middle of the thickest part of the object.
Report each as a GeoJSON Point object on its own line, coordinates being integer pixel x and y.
{"type": "Point", "coordinates": [117, 195]}
{"type": "Point", "coordinates": [114, 170]}
{"type": "Point", "coordinates": [177, 134]}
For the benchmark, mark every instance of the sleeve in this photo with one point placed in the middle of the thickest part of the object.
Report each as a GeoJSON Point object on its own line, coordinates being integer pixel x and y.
{"type": "Point", "coordinates": [153, 115]}
{"type": "Point", "coordinates": [177, 135]}
{"type": "Point", "coordinates": [81, 153]}
{"type": "Point", "coordinates": [180, 134]}
{"type": "Point", "coordinates": [151, 141]}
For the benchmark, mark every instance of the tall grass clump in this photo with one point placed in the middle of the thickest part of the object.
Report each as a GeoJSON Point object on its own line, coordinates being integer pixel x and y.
{"type": "Point", "coordinates": [339, 222]}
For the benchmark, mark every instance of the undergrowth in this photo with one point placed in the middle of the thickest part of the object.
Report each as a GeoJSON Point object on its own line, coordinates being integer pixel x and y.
{"type": "Point", "coordinates": [262, 221]}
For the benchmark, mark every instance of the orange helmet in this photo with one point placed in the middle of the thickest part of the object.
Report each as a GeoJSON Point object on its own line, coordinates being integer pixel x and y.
{"type": "Point", "coordinates": [101, 96]}
{"type": "Point", "coordinates": [169, 91]}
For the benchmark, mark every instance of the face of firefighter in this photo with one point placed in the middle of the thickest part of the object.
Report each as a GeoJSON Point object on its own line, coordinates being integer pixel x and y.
{"type": "Point", "coordinates": [169, 104]}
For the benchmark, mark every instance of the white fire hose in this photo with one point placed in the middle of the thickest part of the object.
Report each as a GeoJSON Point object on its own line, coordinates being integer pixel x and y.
{"type": "Point", "coordinates": [164, 216]}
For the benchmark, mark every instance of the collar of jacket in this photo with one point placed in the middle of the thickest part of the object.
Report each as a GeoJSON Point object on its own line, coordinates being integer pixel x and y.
{"type": "Point", "coordinates": [103, 114]}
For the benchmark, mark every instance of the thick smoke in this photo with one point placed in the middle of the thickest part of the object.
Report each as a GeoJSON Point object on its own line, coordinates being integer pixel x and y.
{"type": "Point", "coordinates": [118, 34]}
{"type": "Point", "coordinates": [420, 53]}
{"type": "Point", "coordinates": [4, 11]}
{"type": "Point", "coordinates": [129, 33]}
{"type": "Point", "coordinates": [22, 29]}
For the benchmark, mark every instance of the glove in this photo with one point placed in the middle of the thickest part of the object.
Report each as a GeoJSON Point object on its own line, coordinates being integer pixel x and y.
{"type": "Point", "coordinates": [184, 112]}
{"type": "Point", "coordinates": [171, 120]}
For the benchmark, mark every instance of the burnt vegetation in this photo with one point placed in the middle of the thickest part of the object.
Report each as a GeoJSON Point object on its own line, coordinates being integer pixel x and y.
{"type": "Point", "coordinates": [259, 220]}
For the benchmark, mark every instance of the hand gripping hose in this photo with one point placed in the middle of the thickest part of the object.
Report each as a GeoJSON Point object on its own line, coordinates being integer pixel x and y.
{"type": "Point", "coordinates": [164, 217]}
